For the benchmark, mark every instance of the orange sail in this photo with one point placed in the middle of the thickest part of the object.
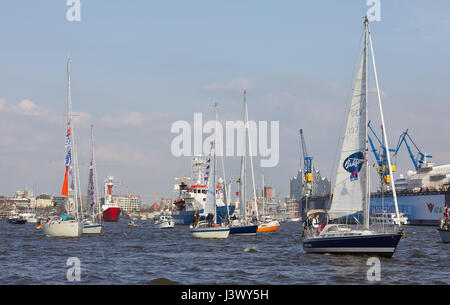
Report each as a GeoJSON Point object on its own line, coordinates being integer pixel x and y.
{"type": "Point", "coordinates": [65, 187]}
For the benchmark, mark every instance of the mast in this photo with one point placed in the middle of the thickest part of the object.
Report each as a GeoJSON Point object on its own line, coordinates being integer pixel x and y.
{"type": "Point", "coordinates": [214, 182]}
{"type": "Point", "coordinates": [250, 155]}
{"type": "Point", "coordinates": [263, 197]}
{"type": "Point", "coordinates": [394, 193]}
{"type": "Point", "coordinates": [366, 209]}
{"type": "Point", "coordinates": [243, 181]}
{"type": "Point", "coordinates": [94, 176]}
{"type": "Point", "coordinates": [75, 174]}
{"type": "Point", "coordinates": [226, 193]}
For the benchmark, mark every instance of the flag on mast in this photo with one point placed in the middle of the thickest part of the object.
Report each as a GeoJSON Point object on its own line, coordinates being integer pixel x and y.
{"type": "Point", "coordinates": [65, 187]}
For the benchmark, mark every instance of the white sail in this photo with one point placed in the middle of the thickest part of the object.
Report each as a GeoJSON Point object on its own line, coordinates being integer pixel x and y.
{"type": "Point", "coordinates": [349, 188]}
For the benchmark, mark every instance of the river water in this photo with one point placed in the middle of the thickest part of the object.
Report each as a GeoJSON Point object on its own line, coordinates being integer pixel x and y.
{"type": "Point", "coordinates": [148, 255]}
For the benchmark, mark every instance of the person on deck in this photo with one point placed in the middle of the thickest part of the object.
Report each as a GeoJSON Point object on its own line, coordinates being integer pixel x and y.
{"type": "Point", "coordinates": [316, 222]}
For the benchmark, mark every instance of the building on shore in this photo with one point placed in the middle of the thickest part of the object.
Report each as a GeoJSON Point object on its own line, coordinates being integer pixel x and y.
{"type": "Point", "coordinates": [128, 203]}
{"type": "Point", "coordinates": [321, 186]}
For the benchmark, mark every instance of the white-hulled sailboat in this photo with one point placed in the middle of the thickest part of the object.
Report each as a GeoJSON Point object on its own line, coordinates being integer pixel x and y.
{"type": "Point", "coordinates": [69, 225]}
{"type": "Point", "coordinates": [351, 190]}
{"type": "Point", "coordinates": [208, 227]}
{"type": "Point", "coordinates": [93, 223]}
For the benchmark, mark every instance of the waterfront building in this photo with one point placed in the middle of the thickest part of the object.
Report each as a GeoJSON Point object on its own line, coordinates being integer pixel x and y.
{"type": "Point", "coordinates": [128, 203]}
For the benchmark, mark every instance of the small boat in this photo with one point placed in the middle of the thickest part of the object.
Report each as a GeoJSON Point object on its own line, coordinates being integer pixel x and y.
{"type": "Point", "coordinates": [268, 225]}
{"type": "Point", "coordinates": [92, 227]}
{"type": "Point", "coordinates": [29, 217]}
{"type": "Point", "coordinates": [17, 221]}
{"type": "Point", "coordinates": [132, 224]}
{"type": "Point", "coordinates": [165, 221]}
{"type": "Point", "coordinates": [204, 230]}
{"type": "Point", "coordinates": [388, 218]}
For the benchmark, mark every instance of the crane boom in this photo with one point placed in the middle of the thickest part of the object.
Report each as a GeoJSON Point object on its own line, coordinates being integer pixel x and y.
{"type": "Point", "coordinates": [417, 161]}
{"type": "Point", "coordinates": [307, 159]}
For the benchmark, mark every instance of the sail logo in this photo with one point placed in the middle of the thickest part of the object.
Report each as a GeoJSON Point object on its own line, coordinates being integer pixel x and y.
{"type": "Point", "coordinates": [353, 164]}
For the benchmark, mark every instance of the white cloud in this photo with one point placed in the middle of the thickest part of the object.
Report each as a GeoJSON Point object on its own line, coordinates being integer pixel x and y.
{"type": "Point", "coordinates": [26, 107]}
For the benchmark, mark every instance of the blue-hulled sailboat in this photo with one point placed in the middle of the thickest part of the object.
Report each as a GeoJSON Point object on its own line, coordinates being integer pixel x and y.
{"type": "Point", "coordinates": [351, 189]}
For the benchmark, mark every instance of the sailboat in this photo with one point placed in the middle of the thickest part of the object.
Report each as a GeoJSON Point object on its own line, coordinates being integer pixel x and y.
{"type": "Point", "coordinates": [242, 225]}
{"type": "Point", "coordinates": [208, 227]}
{"type": "Point", "coordinates": [69, 225]}
{"type": "Point", "coordinates": [267, 223]}
{"type": "Point", "coordinates": [351, 190]}
{"type": "Point", "coordinates": [93, 224]}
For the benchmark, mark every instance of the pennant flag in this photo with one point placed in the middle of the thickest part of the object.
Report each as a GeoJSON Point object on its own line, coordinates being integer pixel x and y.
{"type": "Point", "coordinates": [68, 129]}
{"type": "Point", "coordinates": [65, 187]}
{"type": "Point", "coordinates": [69, 158]}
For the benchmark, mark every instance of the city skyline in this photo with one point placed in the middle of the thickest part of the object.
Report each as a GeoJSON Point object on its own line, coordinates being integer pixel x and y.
{"type": "Point", "coordinates": [139, 67]}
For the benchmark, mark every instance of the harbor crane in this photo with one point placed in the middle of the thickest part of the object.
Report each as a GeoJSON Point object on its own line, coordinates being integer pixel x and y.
{"type": "Point", "coordinates": [419, 160]}
{"type": "Point", "coordinates": [381, 158]}
{"type": "Point", "coordinates": [307, 166]}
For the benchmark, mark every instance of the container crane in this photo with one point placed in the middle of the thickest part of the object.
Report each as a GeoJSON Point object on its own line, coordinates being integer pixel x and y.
{"type": "Point", "coordinates": [381, 158]}
{"type": "Point", "coordinates": [420, 159]}
{"type": "Point", "coordinates": [307, 166]}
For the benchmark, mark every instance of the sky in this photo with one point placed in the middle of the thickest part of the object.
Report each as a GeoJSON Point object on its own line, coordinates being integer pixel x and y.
{"type": "Point", "coordinates": [139, 66]}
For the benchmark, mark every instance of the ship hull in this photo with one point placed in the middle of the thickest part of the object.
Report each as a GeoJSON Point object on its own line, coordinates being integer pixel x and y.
{"type": "Point", "coordinates": [166, 224]}
{"type": "Point", "coordinates": [92, 228]}
{"type": "Point", "coordinates": [243, 229]}
{"type": "Point", "coordinates": [211, 232]}
{"type": "Point", "coordinates": [376, 244]}
{"type": "Point", "coordinates": [445, 235]}
{"type": "Point", "coordinates": [186, 217]}
{"type": "Point", "coordinates": [111, 214]}
{"type": "Point", "coordinates": [16, 221]}
{"type": "Point", "coordinates": [63, 228]}
{"type": "Point", "coordinates": [269, 227]}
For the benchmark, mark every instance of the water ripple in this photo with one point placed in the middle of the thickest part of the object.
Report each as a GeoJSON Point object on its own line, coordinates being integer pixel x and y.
{"type": "Point", "coordinates": [148, 256]}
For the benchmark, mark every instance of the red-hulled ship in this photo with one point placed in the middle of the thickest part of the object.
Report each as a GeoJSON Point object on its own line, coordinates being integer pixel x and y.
{"type": "Point", "coordinates": [111, 210]}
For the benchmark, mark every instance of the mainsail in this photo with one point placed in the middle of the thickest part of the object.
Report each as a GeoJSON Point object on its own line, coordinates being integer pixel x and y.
{"type": "Point", "coordinates": [349, 187]}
